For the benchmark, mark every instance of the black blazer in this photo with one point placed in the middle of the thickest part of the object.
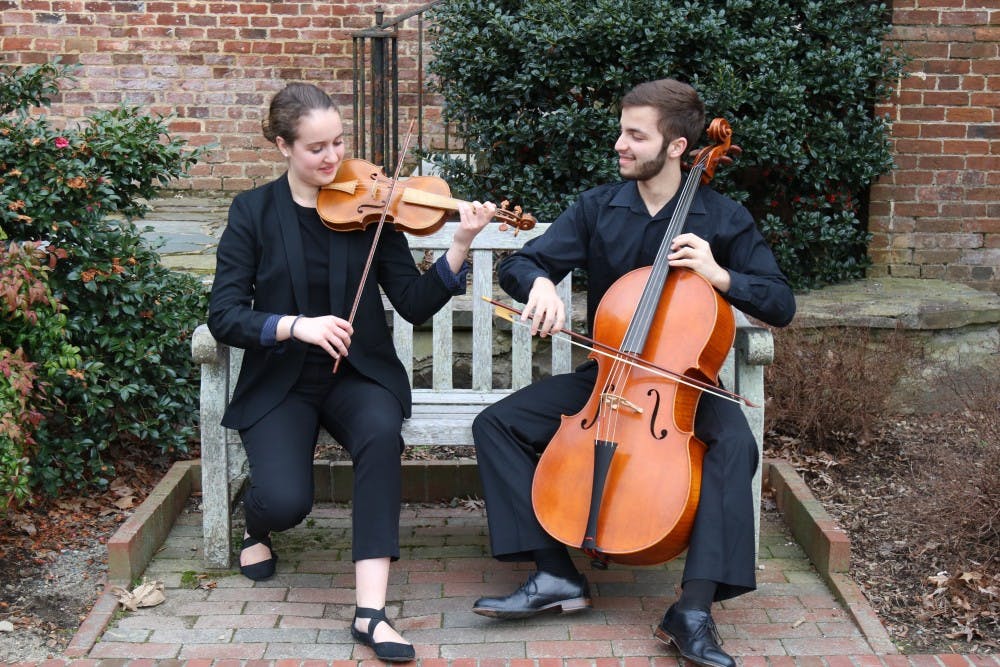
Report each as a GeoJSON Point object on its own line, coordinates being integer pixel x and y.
{"type": "Point", "coordinates": [260, 271]}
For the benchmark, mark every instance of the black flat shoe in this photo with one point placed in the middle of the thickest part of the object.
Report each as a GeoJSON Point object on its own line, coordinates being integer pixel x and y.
{"type": "Point", "coordinates": [541, 593]}
{"type": "Point", "coordinates": [388, 651]}
{"type": "Point", "coordinates": [694, 634]}
{"type": "Point", "coordinates": [265, 568]}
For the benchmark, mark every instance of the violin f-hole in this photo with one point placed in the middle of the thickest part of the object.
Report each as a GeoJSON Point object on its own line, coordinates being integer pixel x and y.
{"type": "Point", "coordinates": [375, 208]}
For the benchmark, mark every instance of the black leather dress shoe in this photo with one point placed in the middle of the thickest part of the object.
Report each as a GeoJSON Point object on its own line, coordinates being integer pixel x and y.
{"type": "Point", "coordinates": [693, 632]}
{"type": "Point", "coordinates": [542, 592]}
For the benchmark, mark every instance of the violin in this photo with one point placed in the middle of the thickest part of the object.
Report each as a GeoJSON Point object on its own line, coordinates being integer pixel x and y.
{"type": "Point", "coordinates": [621, 479]}
{"type": "Point", "coordinates": [362, 194]}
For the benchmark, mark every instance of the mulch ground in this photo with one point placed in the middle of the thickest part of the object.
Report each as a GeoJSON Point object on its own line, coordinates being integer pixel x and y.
{"type": "Point", "coordinates": [920, 502]}
{"type": "Point", "coordinates": [53, 557]}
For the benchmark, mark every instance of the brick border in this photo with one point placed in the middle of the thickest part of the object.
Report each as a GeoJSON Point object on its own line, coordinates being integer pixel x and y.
{"type": "Point", "coordinates": [132, 546]}
{"type": "Point", "coordinates": [93, 625]}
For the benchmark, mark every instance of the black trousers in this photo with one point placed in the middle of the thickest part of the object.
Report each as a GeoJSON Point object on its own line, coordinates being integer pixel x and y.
{"type": "Point", "coordinates": [511, 434]}
{"type": "Point", "coordinates": [366, 419]}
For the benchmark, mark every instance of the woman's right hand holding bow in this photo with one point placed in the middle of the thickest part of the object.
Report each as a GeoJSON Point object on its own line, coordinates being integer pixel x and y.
{"type": "Point", "coordinates": [329, 332]}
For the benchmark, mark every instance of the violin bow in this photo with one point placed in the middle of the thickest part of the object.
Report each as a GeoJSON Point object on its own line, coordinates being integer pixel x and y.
{"type": "Point", "coordinates": [378, 232]}
{"type": "Point", "coordinates": [508, 312]}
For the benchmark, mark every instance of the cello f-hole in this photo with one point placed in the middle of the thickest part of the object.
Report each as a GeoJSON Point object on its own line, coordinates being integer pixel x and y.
{"type": "Point", "coordinates": [663, 433]}
{"type": "Point", "coordinates": [597, 414]}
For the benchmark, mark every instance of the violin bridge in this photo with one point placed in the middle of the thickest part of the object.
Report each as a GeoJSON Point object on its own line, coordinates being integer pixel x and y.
{"type": "Point", "coordinates": [614, 402]}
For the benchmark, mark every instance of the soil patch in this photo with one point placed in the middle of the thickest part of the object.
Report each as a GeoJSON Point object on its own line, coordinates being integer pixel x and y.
{"type": "Point", "coordinates": [53, 561]}
{"type": "Point", "coordinates": [919, 551]}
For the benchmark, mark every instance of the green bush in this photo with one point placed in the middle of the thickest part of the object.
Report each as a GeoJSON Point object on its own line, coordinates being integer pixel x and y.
{"type": "Point", "coordinates": [534, 86]}
{"type": "Point", "coordinates": [32, 317]}
{"type": "Point", "coordinates": [128, 317]}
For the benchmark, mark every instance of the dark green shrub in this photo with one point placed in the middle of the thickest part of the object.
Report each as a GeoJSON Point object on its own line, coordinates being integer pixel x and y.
{"type": "Point", "coordinates": [534, 85]}
{"type": "Point", "coordinates": [130, 318]}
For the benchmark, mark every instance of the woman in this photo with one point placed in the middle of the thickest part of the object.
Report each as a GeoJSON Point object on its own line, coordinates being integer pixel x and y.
{"type": "Point", "coordinates": [284, 284]}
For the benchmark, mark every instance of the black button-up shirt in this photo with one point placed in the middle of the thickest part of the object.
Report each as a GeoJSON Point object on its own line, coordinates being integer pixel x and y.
{"type": "Point", "coordinates": [608, 232]}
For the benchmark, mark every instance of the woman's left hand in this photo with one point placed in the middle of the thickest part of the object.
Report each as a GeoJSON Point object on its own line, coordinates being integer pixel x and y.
{"type": "Point", "coordinates": [473, 218]}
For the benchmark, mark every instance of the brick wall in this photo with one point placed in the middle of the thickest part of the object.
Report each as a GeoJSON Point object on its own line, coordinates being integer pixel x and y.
{"type": "Point", "coordinates": [938, 214]}
{"type": "Point", "coordinates": [215, 65]}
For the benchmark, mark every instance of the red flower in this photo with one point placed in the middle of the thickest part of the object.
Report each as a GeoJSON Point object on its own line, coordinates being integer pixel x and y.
{"type": "Point", "coordinates": [62, 142]}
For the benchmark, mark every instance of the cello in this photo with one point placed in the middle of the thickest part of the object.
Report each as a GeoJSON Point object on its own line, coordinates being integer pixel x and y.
{"type": "Point", "coordinates": [633, 443]}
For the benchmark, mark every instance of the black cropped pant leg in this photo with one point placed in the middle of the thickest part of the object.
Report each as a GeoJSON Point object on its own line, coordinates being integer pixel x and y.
{"type": "Point", "coordinates": [366, 419]}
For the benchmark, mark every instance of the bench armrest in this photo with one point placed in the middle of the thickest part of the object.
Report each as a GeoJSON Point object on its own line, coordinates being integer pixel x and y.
{"type": "Point", "coordinates": [216, 477]}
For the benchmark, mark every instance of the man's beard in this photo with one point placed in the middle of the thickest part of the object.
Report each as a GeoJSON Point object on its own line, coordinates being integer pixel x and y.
{"type": "Point", "coordinates": [648, 169]}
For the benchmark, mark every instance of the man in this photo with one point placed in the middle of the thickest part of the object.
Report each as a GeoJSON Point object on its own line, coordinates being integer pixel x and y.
{"type": "Point", "coordinates": [610, 230]}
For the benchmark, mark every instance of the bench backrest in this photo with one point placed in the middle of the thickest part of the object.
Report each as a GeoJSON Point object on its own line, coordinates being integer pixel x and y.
{"type": "Point", "coordinates": [483, 319]}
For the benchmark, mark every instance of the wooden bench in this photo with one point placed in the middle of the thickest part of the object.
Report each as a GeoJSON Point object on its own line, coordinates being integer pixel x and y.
{"type": "Point", "coordinates": [443, 413]}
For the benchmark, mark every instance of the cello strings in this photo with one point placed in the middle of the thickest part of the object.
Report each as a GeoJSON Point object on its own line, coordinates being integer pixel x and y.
{"type": "Point", "coordinates": [620, 371]}
{"type": "Point", "coordinates": [638, 362]}
{"type": "Point", "coordinates": [608, 428]}
{"type": "Point", "coordinates": [646, 308]}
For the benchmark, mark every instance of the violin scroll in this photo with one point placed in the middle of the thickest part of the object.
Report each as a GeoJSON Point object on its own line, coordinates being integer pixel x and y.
{"type": "Point", "coordinates": [513, 217]}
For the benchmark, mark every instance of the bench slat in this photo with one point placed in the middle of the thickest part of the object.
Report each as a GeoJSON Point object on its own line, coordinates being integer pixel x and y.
{"type": "Point", "coordinates": [482, 320]}
{"type": "Point", "coordinates": [402, 339]}
{"type": "Point", "coordinates": [443, 347]}
{"type": "Point", "coordinates": [562, 352]}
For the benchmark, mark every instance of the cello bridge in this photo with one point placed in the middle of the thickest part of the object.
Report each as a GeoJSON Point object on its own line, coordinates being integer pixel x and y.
{"type": "Point", "coordinates": [614, 402]}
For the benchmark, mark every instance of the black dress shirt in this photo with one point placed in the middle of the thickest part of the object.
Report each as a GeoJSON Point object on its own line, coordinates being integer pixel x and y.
{"type": "Point", "coordinates": [608, 232]}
